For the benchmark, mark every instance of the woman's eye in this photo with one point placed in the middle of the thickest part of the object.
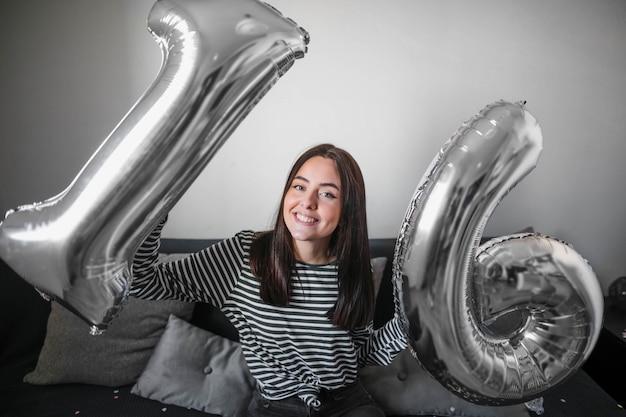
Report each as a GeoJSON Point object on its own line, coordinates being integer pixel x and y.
{"type": "Point", "coordinates": [298, 187]}
{"type": "Point", "coordinates": [327, 194]}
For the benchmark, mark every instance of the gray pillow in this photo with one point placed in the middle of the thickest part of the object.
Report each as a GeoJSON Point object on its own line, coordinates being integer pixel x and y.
{"type": "Point", "coordinates": [378, 270]}
{"type": "Point", "coordinates": [116, 357]}
{"type": "Point", "coordinates": [194, 368]}
{"type": "Point", "coordinates": [404, 388]}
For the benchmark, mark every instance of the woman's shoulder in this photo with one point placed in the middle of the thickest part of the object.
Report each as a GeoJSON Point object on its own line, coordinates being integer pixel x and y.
{"type": "Point", "coordinates": [246, 235]}
{"type": "Point", "coordinates": [251, 235]}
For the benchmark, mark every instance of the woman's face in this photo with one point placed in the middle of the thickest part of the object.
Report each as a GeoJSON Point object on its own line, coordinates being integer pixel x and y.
{"type": "Point", "coordinates": [312, 204]}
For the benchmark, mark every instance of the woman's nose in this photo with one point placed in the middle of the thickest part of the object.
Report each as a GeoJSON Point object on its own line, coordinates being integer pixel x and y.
{"type": "Point", "coordinates": [309, 200]}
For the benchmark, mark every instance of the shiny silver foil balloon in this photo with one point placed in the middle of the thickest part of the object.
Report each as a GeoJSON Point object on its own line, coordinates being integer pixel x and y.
{"type": "Point", "coordinates": [219, 58]}
{"type": "Point", "coordinates": [497, 323]}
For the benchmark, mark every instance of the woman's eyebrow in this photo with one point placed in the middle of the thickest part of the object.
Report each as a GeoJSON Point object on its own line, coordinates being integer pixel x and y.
{"type": "Point", "coordinates": [330, 184]}
{"type": "Point", "coordinates": [324, 184]}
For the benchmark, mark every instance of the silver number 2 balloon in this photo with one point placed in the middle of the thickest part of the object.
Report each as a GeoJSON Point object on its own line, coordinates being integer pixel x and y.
{"type": "Point", "coordinates": [499, 323]}
{"type": "Point", "coordinates": [219, 59]}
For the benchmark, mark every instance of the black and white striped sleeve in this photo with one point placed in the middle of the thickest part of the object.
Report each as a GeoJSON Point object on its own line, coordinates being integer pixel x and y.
{"type": "Point", "coordinates": [206, 276]}
{"type": "Point", "coordinates": [380, 346]}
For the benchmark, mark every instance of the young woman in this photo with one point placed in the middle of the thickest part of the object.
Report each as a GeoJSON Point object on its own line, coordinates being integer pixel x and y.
{"type": "Point", "coordinates": [300, 295]}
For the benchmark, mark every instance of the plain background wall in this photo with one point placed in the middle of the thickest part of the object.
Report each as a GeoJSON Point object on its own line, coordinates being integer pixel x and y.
{"type": "Point", "coordinates": [389, 81]}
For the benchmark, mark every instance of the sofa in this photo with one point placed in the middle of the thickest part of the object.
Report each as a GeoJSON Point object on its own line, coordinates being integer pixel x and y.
{"type": "Point", "coordinates": [176, 359]}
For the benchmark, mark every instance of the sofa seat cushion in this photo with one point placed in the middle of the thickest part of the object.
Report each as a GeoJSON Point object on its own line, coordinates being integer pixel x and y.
{"type": "Point", "coordinates": [79, 400]}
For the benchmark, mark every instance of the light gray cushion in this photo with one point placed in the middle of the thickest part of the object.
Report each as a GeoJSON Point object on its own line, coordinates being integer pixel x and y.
{"type": "Point", "coordinates": [116, 357]}
{"type": "Point", "coordinates": [404, 388]}
{"type": "Point", "coordinates": [194, 368]}
{"type": "Point", "coordinates": [378, 269]}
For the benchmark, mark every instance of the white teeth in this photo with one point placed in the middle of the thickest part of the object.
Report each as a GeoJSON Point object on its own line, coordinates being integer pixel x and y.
{"type": "Point", "coordinates": [305, 219]}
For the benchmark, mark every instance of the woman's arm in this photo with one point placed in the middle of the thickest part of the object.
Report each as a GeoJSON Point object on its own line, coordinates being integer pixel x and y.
{"type": "Point", "coordinates": [380, 346]}
{"type": "Point", "coordinates": [145, 259]}
{"type": "Point", "coordinates": [205, 276]}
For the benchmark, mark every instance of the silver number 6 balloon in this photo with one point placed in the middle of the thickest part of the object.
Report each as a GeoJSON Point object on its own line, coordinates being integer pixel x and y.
{"type": "Point", "coordinates": [219, 58]}
{"type": "Point", "coordinates": [499, 323]}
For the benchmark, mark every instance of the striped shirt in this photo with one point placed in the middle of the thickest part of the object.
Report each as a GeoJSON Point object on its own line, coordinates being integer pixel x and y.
{"type": "Point", "coordinates": [293, 350]}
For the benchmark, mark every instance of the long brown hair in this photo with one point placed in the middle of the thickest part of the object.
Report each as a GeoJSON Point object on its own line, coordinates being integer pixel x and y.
{"type": "Point", "coordinates": [272, 255]}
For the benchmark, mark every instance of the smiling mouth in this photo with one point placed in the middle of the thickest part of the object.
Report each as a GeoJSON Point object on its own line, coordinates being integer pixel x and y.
{"type": "Point", "coordinates": [305, 219]}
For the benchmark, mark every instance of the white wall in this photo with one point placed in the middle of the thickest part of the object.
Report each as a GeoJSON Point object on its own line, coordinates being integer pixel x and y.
{"type": "Point", "coordinates": [389, 81]}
